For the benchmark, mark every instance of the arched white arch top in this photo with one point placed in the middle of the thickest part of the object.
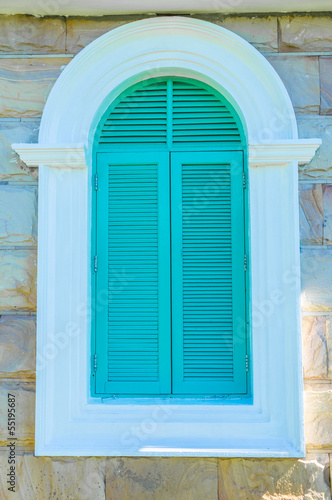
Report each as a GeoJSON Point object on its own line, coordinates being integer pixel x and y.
{"type": "Point", "coordinates": [167, 46]}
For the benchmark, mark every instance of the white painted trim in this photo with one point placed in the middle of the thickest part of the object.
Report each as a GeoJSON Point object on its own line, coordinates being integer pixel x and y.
{"type": "Point", "coordinates": [283, 152]}
{"type": "Point", "coordinates": [182, 47]}
{"type": "Point", "coordinates": [59, 156]}
{"type": "Point", "coordinates": [104, 7]}
{"type": "Point", "coordinates": [73, 156]}
{"type": "Point", "coordinates": [68, 421]}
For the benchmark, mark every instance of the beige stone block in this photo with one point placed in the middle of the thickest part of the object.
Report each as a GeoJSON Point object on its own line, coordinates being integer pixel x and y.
{"type": "Point", "coordinates": [32, 35]}
{"type": "Point", "coordinates": [260, 31]}
{"type": "Point", "coordinates": [11, 167]}
{"type": "Point", "coordinates": [318, 418]}
{"type": "Point", "coordinates": [315, 349]}
{"type": "Point", "coordinates": [329, 344]}
{"type": "Point", "coordinates": [43, 478]}
{"type": "Point", "coordinates": [316, 275]}
{"type": "Point", "coordinates": [315, 385]}
{"type": "Point", "coordinates": [24, 394]}
{"type": "Point", "coordinates": [17, 130]}
{"type": "Point", "coordinates": [17, 347]}
{"type": "Point", "coordinates": [300, 75]}
{"type": "Point", "coordinates": [305, 33]}
{"type": "Point", "coordinates": [18, 215]}
{"type": "Point", "coordinates": [273, 479]}
{"type": "Point", "coordinates": [325, 70]}
{"type": "Point", "coordinates": [321, 457]}
{"type": "Point", "coordinates": [18, 271]}
{"type": "Point", "coordinates": [311, 214]}
{"type": "Point", "coordinates": [82, 31]}
{"type": "Point", "coordinates": [162, 479]}
{"type": "Point", "coordinates": [26, 83]}
{"type": "Point", "coordinates": [319, 127]}
{"type": "Point", "coordinates": [327, 208]}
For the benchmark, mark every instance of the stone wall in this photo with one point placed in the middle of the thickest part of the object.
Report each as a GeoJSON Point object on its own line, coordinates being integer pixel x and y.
{"type": "Point", "coordinates": [33, 52]}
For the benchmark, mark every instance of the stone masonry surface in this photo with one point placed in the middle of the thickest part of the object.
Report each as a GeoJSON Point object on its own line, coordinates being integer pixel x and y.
{"type": "Point", "coordinates": [33, 52]}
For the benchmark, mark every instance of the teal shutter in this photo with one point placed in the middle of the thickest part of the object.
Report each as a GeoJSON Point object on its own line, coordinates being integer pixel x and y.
{"type": "Point", "coordinates": [133, 279]}
{"type": "Point", "coordinates": [201, 118]}
{"type": "Point", "coordinates": [208, 277]}
{"type": "Point", "coordinates": [139, 117]}
{"type": "Point", "coordinates": [170, 242]}
{"type": "Point", "coordinates": [170, 113]}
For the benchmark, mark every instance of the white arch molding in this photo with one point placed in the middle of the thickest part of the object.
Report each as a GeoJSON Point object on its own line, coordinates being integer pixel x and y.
{"type": "Point", "coordinates": [68, 421]}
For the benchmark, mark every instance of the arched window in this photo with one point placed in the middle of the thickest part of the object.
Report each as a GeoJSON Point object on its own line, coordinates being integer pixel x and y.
{"type": "Point", "coordinates": [170, 207]}
{"type": "Point", "coordinates": [68, 420]}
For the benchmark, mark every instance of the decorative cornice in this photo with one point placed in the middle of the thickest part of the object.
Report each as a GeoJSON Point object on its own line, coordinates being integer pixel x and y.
{"type": "Point", "coordinates": [282, 152]}
{"type": "Point", "coordinates": [59, 156]}
{"type": "Point", "coordinates": [73, 155]}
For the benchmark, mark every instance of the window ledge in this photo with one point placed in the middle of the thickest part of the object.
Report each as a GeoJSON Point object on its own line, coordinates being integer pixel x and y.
{"type": "Point", "coordinates": [72, 156]}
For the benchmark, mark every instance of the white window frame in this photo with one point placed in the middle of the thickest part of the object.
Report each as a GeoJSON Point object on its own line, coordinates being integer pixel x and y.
{"type": "Point", "coordinates": [70, 422]}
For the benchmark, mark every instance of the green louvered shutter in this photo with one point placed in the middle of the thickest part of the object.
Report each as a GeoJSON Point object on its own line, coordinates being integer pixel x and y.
{"type": "Point", "coordinates": [176, 113]}
{"type": "Point", "coordinates": [170, 240]}
{"type": "Point", "coordinates": [138, 118]}
{"type": "Point", "coordinates": [201, 118]}
{"type": "Point", "coordinates": [133, 278]}
{"type": "Point", "coordinates": [208, 277]}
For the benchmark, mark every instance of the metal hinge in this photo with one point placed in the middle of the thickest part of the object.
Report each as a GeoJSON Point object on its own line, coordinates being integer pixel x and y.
{"type": "Point", "coordinates": [96, 182]}
{"type": "Point", "coordinates": [244, 181]}
{"type": "Point", "coordinates": [96, 263]}
{"type": "Point", "coordinates": [247, 363]}
{"type": "Point", "coordinates": [95, 362]}
{"type": "Point", "coordinates": [245, 262]}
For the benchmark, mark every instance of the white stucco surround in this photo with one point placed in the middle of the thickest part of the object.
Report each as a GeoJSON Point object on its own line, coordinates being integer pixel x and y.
{"type": "Point", "coordinates": [68, 421]}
